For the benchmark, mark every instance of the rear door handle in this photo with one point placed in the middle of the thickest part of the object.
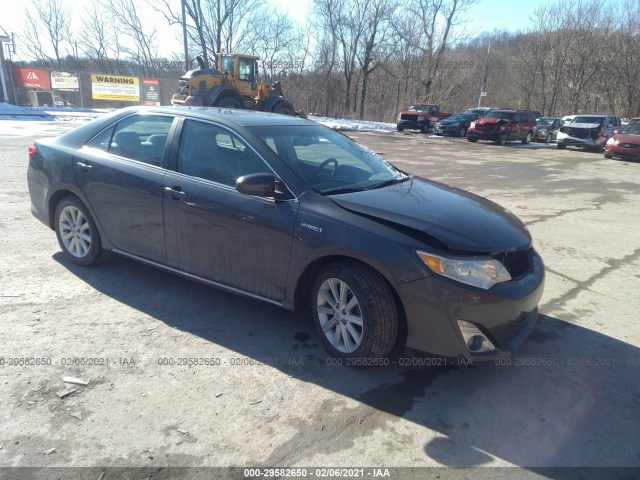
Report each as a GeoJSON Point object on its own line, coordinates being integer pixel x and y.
{"type": "Point", "coordinates": [175, 192]}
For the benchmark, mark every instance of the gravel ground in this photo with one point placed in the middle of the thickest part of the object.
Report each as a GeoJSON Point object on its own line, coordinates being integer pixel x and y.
{"type": "Point", "coordinates": [269, 398]}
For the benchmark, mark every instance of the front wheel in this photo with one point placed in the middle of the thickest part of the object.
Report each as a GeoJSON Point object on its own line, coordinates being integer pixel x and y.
{"type": "Point", "coordinates": [228, 102]}
{"type": "Point", "coordinates": [284, 108]}
{"type": "Point", "coordinates": [400, 128]}
{"type": "Point", "coordinates": [77, 233]}
{"type": "Point", "coordinates": [354, 311]}
{"type": "Point", "coordinates": [462, 132]}
{"type": "Point", "coordinates": [547, 139]}
{"type": "Point", "coordinates": [561, 146]}
{"type": "Point", "coordinates": [527, 139]}
{"type": "Point", "coordinates": [472, 139]}
{"type": "Point", "coordinates": [503, 139]}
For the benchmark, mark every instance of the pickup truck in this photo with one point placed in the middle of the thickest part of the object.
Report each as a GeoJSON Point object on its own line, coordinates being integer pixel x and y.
{"type": "Point", "coordinates": [420, 116]}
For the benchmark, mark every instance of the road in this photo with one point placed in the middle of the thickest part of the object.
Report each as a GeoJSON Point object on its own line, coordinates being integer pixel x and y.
{"type": "Point", "coordinates": [268, 395]}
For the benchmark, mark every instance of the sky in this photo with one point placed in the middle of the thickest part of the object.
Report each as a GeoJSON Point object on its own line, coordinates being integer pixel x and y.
{"type": "Point", "coordinates": [486, 16]}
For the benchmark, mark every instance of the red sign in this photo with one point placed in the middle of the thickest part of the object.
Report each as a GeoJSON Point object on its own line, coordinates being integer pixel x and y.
{"type": "Point", "coordinates": [32, 78]}
{"type": "Point", "coordinates": [151, 91]}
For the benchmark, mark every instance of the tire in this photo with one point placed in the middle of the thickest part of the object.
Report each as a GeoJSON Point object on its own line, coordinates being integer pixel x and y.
{"type": "Point", "coordinates": [503, 139]}
{"type": "Point", "coordinates": [527, 139]}
{"type": "Point", "coordinates": [77, 233]}
{"type": "Point", "coordinates": [424, 129]}
{"type": "Point", "coordinates": [228, 102]}
{"type": "Point", "coordinates": [472, 139]}
{"type": "Point", "coordinates": [400, 129]}
{"type": "Point", "coordinates": [367, 326]}
{"type": "Point", "coordinates": [609, 157]}
{"type": "Point", "coordinates": [462, 132]}
{"type": "Point", "coordinates": [284, 108]}
{"type": "Point", "coordinates": [561, 146]}
{"type": "Point", "coordinates": [547, 139]}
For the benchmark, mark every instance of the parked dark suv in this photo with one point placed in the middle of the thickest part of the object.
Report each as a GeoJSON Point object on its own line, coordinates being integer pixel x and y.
{"type": "Point", "coordinates": [502, 126]}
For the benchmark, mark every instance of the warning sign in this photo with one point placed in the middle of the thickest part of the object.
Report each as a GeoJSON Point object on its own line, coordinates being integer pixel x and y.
{"type": "Point", "coordinates": [113, 87]}
{"type": "Point", "coordinates": [32, 78]}
{"type": "Point", "coordinates": [151, 91]}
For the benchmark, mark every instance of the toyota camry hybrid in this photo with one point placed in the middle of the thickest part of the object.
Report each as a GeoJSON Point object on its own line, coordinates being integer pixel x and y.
{"type": "Point", "coordinates": [290, 212]}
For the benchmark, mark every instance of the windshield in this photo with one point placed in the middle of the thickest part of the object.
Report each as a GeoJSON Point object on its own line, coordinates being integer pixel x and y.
{"type": "Point", "coordinates": [458, 117]}
{"type": "Point", "coordinates": [545, 122]}
{"type": "Point", "coordinates": [500, 115]}
{"type": "Point", "coordinates": [598, 120]}
{"type": "Point", "coordinates": [631, 129]}
{"type": "Point", "coordinates": [418, 108]}
{"type": "Point", "coordinates": [326, 160]}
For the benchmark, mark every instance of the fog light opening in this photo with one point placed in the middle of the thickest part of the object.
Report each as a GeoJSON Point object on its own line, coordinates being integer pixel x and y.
{"type": "Point", "coordinates": [474, 339]}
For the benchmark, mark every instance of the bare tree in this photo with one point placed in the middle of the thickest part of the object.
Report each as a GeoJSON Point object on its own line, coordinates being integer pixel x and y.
{"type": "Point", "coordinates": [50, 17]}
{"type": "Point", "coordinates": [372, 50]}
{"type": "Point", "coordinates": [100, 42]}
{"type": "Point", "coordinates": [428, 26]}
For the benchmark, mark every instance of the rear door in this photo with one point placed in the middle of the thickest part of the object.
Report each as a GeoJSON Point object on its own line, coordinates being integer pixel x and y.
{"type": "Point", "coordinates": [216, 232]}
{"type": "Point", "coordinates": [120, 173]}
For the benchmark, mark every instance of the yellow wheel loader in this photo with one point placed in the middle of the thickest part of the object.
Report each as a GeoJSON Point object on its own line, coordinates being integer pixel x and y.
{"type": "Point", "coordinates": [234, 84]}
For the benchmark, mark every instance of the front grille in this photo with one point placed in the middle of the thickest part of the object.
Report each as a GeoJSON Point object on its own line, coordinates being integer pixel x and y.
{"type": "Point", "coordinates": [582, 133]}
{"type": "Point", "coordinates": [517, 263]}
{"type": "Point", "coordinates": [628, 145]}
{"type": "Point", "coordinates": [408, 116]}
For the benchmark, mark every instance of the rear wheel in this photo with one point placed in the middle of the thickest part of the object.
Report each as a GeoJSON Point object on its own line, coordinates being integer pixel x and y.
{"type": "Point", "coordinates": [77, 233]}
{"type": "Point", "coordinates": [561, 146]}
{"type": "Point", "coordinates": [462, 132]}
{"type": "Point", "coordinates": [503, 139]}
{"type": "Point", "coordinates": [400, 128]}
{"type": "Point", "coordinates": [228, 102]}
{"type": "Point", "coordinates": [354, 311]}
{"type": "Point", "coordinates": [472, 139]}
{"type": "Point", "coordinates": [547, 139]}
{"type": "Point", "coordinates": [527, 138]}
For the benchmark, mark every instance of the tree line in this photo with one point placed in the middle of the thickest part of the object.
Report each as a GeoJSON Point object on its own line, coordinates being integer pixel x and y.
{"type": "Point", "coordinates": [369, 58]}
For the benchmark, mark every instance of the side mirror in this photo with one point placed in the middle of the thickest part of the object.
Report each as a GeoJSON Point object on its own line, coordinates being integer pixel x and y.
{"type": "Point", "coordinates": [258, 184]}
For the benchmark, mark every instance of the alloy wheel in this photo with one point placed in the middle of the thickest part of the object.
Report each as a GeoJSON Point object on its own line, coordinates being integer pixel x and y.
{"type": "Point", "coordinates": [75, 231]}
{"type": "Point", "coordinates": [340, 315]}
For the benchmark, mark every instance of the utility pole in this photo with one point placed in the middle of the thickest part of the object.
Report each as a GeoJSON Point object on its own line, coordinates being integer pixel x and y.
{"type": "Point", "coordinates": [484, 76]}
{"type": "Point", "coordinates": [184, 35]}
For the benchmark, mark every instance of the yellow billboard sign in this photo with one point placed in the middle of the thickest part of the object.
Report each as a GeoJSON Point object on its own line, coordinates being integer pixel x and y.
{"type": "Point", "coordinates": [114, 87]}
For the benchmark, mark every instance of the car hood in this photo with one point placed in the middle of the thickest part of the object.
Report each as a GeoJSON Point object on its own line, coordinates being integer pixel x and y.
{"type": "Point", "coordinates": [583, 125]}
{"type": "Point", "coordinates": [413, 112]}
{"type": "Point", "coordinates": [488, 121]}
{"type": "Point", "coordinates": [457, 219]}
{"type": "Point", "coordinates": [628, 138]}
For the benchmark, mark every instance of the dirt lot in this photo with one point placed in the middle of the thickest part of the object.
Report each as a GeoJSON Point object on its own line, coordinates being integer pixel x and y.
{"type": "Point", "coordinates": [268, 398]}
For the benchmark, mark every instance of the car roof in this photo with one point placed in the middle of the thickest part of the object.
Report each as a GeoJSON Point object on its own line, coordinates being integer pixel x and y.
{"type": "Point", "coordinates": [243, 118]}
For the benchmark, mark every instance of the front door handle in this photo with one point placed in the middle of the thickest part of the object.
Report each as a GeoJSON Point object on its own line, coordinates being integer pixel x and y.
{"type": "Point", "coordinates": [175, 192]}
{"type": "Point", "coordinates": [84, 166]}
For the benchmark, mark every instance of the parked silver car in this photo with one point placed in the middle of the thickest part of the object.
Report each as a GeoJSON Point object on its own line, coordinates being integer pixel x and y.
{"type": "Point", "coordinates": [588, 131]}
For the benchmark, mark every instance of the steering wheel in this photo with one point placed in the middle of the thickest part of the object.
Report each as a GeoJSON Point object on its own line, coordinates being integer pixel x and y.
{"type": "Point", "coordinates": [320, 168]}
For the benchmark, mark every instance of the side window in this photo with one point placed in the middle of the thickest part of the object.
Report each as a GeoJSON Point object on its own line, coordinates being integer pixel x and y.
{"type": "Point", "coordinates": [141, 138]}
{"type": "Point", "coordinates": [102, 140]}
{"type": "Point", "coordinates": [213, 153]}
{"type": "Point", "coordinates": [517, 117]}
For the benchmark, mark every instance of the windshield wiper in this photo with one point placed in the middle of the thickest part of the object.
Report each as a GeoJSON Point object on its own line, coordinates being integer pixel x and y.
{"type": "Point", "coordinates": [392, 181]}
{"type": "Point", "coordinates": [334, 191]}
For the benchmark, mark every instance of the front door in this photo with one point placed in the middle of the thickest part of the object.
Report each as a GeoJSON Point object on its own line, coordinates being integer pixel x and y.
{"type": "Point", "coordinates": [215, 232]}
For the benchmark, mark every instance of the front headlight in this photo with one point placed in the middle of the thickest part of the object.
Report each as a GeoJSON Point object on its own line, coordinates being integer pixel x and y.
{"type": "Point", "coordinates": [478, 272]}
{"type": "Point", "coordinates": [612, 141]}
{"type": "Point", "coordinates": [542, 131]}
{"type": "Point", "coordinates": [473, 125]}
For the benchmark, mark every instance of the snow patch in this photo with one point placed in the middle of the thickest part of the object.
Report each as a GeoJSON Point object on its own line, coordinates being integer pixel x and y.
{"type": "Point", "coordinates": [351, 125]}
{"type": "Point", "coordinates": [16, 112]}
